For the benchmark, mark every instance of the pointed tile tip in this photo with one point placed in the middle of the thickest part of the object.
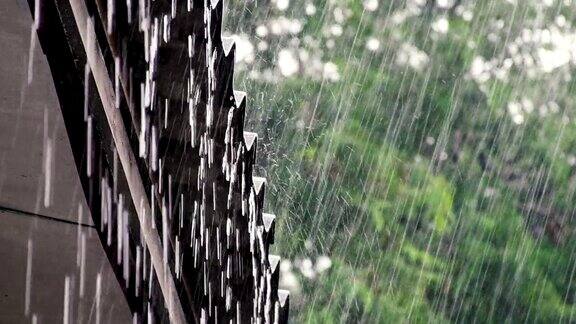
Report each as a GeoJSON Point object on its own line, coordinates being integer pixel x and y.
{"type": "Point", "coordinates": [239, 97]}
{"type": "Point", "coordinates": [268, 220]}
{"type": "Point", "coordinates": [283, 296]}
{"type": "Point", "coordinates": [258, 183]}
{"type": "Point", "coordinates": [274, 260]}
{"type": "Point", "coordinates": [249, 139]}
{"type": "Point", "coordinates": [214, 3]}
{"type": "Point", "coordinates": [228, 45]}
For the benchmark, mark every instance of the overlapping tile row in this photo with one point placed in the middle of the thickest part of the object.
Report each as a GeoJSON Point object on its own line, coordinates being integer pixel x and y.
{"type": "Point", "coordinates": [172, 75]}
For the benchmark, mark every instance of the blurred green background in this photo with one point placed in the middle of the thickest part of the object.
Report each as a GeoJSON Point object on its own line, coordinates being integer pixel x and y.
{"type": "Point", "coordinates": [420, 155]}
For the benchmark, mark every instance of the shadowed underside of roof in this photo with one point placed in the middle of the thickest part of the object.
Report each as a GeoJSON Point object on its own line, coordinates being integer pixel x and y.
{"type": "Point", "coordinates": [156, 129]}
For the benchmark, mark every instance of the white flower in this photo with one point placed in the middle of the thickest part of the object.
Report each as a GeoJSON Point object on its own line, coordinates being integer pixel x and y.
{"type": "Point", "coordinates": [330, 72]}
{"type": "Point", "coordinates": [261, 31]}
{"type": "Point", "coordinates": [444, 4]}
{"type": "Point", "coordinates": [306, 269]}
{"type": "Point", "coordinates": [572, 160]}
{"type": "Point", "coordinates": [310, 9]}
{"type": "Point", "coordinates": [414, 7]}
{"type": "Point", "coordinates": [373, 44]}
{"type": "Point", "coordinates": [285, 265]}
{"type": "Point", "coordinates": [443, 156]}
{"type": "Point", "coordinates": [441, 25]}
{"type": "Point", "coordinates": [289, 281]}
{"type": "Point", "coordinates": [518, 119]}
{"type": "Point", "coordinates": [283, 25]}
{"type": "Point", "coordinates": [553, 107]}
{"type": "Point", "coordinates": [339, 15]}
{"type": "Point", "coordinates": [282, 4]}
{"type": "Point", "coordinates": [336, 30]}
{"type": "Point", "coordinates": [515, 111]}
{"type": "Point", "coordinates": [527, 105]}
{"type": "Point", "coordinates": [418, 3]}
{"type": "Point", "coordinates": [480, 70]}
{"type": "Point", "coordinates": [287, 278]}
{"type": "Point", "coordinates": [330, 44]}
{"type": "Point", "coordinates": [262, 46]}
{"type": "Point", "coordinates": [370, 5]}
{"type": "Point", "coordinates": [399, 17]}
{"type": "Point", "coordinates": [304, 55]}
{"type": "Point", "coordinates": [560, 21]}
{"type": "Point", "coordinates": [323, 263]}
{"type": "Point", "coordinates": [412, 56]}
{"type": "Point", "coordinates": [550, 60]}
{"type": "Point", "coordinates": [244, 49]}
{"type": "Point", "coordinates": [287, 63]}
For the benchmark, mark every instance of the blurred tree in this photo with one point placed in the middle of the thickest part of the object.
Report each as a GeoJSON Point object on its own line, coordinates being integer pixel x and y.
{"type": "Point", "coordinates": [427, 147]}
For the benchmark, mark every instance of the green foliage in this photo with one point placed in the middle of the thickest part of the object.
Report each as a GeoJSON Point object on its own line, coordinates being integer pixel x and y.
{"type": "Point", "coordinates": [433, 203]}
